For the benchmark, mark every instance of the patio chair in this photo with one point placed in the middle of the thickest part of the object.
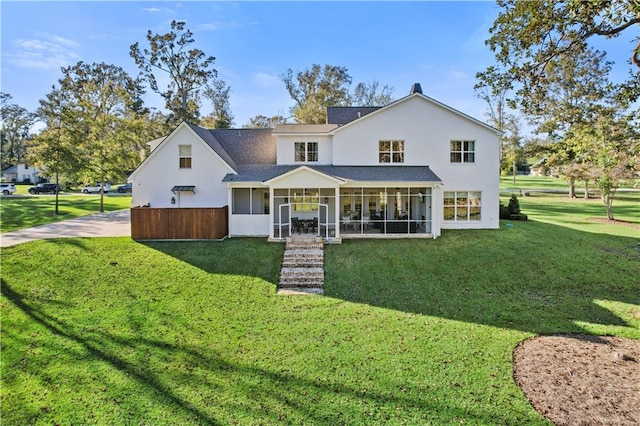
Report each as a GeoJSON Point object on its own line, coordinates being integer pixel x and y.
{"type": "Point", "coordinates": [296, 225]}
{"type": "Point", "coordinates": [346, 222]}
{"type": "Point", "coordinates": [314, 225]}
{"type": "Point", "coordinates": [365, 221]}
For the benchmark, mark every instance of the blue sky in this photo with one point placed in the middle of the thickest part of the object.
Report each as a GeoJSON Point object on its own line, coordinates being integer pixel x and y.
{"type": "Point", "coordinates": [438, 44]}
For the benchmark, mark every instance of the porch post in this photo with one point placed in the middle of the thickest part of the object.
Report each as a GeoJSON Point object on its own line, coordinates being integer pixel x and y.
{"type": "Point", "coordinates": [230, 208]}
{"type": "Point", "coordinates": [336, 200]}
{"type": "Point", "coordinates": [272, 212]}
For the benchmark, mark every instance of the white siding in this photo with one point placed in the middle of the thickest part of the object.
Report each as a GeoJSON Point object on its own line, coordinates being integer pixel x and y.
{"type": "Point", "coordinates": [153, 180]}
{"type": "Point", "coordinates": [427, 130]}
{"type": "Point", "coordinates": [286, 145]}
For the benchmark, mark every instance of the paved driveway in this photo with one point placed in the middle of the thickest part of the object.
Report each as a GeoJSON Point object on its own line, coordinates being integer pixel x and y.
{"type": "Point", "coordinates": [112, 224]}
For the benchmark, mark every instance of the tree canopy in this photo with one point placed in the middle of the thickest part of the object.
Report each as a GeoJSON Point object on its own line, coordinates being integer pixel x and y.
{"type": "Point", "coordinates": [15, 129]}
{"type": "Point", "coordinates": [188, 69]}
{"type": "Point", "coordinates": [217, 92]}
{"type": "Point", "coordinates": [319, 87]}
{"type": "Point", "coordinates": [91, 114]}
{"type": "Point", "coordinates": [528, 36]}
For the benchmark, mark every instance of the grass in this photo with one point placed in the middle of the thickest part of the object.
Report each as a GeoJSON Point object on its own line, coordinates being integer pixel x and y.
{"type": "Point", "coordinates": [408, 331]}
{"type": "Point", "coordinates": [19, 212]}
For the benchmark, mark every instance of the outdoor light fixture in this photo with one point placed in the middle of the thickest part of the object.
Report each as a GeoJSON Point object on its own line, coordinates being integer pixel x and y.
{"type": "Point", "coordinates": [326, 200]}
{"type": "Point", "coordinates": [173, 200]}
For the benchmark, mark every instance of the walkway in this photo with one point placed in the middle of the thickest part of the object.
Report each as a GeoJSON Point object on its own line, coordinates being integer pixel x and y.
{"type": "Point", "coordinates": [111, 224]}
{"type": "Point", "coordinates": [303, 266]}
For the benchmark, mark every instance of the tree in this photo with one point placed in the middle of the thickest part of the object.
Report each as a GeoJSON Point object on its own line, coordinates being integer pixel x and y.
{"type": "Point", "coordinates": [263, 122]}
{"type": "Point", "coordinates": [15, 129]}
{"type": "Point", "coordinates": [615, 146]}
{"type": "Point", "coordinates": [316, 88]}
{"type": "Point", "coordinates": [513, 153]}
{"type": "Point", "coordinates": [494, 87]}
{"type": "Point", "coordinates": [368, 95]}
{"type": "Point", "coordinates": [52, 150]}
{"type": "Point", "coordinates": [189, 70]}
{"type": "Point", "coordinates": [576, 90]}
{"type": "Point", "coordinates": [221, 117]}
{"type": "Point", "coordinates": [102, 102]}
{"type": "Point", "coordinates": [528, 36]}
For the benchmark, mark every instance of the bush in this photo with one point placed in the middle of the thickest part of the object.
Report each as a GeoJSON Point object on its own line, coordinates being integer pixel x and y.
{"type": "Point", "coordinates": [512, 211]}
{"type": "Point", "coordinates": [514, 205]}
{"type": "Point", "coordinates": [504, 212]}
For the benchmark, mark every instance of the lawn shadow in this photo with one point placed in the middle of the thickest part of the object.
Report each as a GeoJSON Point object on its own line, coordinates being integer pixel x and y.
{"type": "Point", "coordinates": [533, 277]}
{"type": "Point", "coordinates": [260, 394]}
{"type": "Point", "coordinates": [253, 257]}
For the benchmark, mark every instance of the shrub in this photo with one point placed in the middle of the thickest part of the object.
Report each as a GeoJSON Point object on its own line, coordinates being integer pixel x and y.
{"type": "Point", "coordinates": [519, 216]}
{"type": "Point", "coordinates": [514, 205]}
{"type": "Point", "coordinates": [504, 212]}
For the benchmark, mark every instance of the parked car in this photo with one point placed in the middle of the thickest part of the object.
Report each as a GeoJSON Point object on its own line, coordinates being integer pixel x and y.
{"type": "Point", "coordinates": [124, 188]}
{"type": "Point", "coordinates": [7, 188]}
{"type": "Point", "coordinates": [45, 188]}
{"type": "Point", "coordinates": [96, 188]}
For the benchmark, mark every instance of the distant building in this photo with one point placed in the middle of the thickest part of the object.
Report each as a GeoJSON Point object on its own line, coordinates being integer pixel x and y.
{"type": "Point", "coordinates": [21, 173]}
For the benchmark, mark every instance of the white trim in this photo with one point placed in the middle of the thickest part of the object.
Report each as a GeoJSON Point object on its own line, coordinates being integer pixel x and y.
{"type": "Point", "coordinates": [426, 98]}
{"type": "Point", "coordinates": [299, 170]}
{"type": "Point", "coordinates": [165, 141]}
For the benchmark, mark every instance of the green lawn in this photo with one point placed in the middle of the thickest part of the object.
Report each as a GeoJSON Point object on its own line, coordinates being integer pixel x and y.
{"type": "Point", "coordinates": [408, 331]}
{"type": "Point", "coordinates": [25, 211]}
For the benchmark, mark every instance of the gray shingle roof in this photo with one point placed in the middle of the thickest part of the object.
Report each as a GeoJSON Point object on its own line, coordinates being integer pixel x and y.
{"type": "Point", "coordinates": [240, 146]}
{"type": "Point", "coordinates": [344, 115]}
{"type": "Point", "coordinates": [248, 146]}
{"type": "Point", "coordinates": [263, 172]}
{"type": "Point", "coordinates": [208, 137]}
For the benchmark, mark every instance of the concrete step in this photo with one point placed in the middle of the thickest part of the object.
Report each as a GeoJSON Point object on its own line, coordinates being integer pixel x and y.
{"type": "Point", "coordinates": [304, 251]}
{"type": "Point", "coordinates": [300, 284]}
{"type": "Point", "coordinates": [311, 257]}
{"type": "Point", "coordinates": [300, 264]}
{"type": "Point", "coordinates": [315, 246]}
{"type": "Point", "coordinates": [300, 290]}
{"type": "Point", "coordinates": [304, 244]}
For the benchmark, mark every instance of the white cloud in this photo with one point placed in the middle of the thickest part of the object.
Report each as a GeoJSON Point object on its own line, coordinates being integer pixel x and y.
{"type": "Point", "coordinates": [265, 80]}
{"type": "Point", "coordinates": [45, 52]}
{"type": "Point", "coordinates": [220, 25]}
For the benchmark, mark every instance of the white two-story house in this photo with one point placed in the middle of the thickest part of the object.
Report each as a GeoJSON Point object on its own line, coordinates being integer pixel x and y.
{"type": "Point", "coordinates": [409, 169]}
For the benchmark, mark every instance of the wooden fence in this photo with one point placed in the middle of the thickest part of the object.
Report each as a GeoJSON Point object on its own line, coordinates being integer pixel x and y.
{"type": "Point", "coordinates": [149, 223]}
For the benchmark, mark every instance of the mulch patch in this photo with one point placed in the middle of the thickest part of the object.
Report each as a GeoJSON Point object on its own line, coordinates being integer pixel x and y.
{"type": "Point", "coordinates": [581, 379]}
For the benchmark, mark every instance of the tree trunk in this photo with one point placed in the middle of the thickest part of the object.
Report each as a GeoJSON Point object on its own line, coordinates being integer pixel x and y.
{"type": "Point", "coordinates": [101, 210]}
{"type": "Point", "coordinates": [57, 211]}
{"type": "Point", "coordinates": [586, 190]}
{"type": "Point", "coordinates": [514, 172]}
{"type": "Point", "coordinates": [572, 189]}
{"type": "Point", "coordinates": [607, 203]}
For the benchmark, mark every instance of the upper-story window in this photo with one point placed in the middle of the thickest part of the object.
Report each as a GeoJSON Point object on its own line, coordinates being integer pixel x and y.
{"type": "Point", "coordinates": [391, 151]}
{"type": "Point", "coordinates": [306, 152]}
{"type": "Point", "coordinates": [463, 151]}
{"type": "Point", "coordinates": [185, 156]}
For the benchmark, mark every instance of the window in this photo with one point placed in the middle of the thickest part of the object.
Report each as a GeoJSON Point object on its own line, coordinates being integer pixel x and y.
{"type": "Point", "coordinates": [305, 201]}
{"type": "Point", "coordinates": [185, 156]}
{"type": "Point", "coordinates": [463, 151]}
{"type": "Point", "coordinates": [462, 205]}
{"type": "Point", "coordinates": [391, 151]}
{"type": "Point", "coordinates": [306, 152]}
